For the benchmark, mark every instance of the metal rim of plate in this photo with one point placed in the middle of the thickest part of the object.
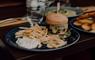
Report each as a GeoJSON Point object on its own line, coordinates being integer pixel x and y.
{"type": "Point", "coordinates": [12, 44]}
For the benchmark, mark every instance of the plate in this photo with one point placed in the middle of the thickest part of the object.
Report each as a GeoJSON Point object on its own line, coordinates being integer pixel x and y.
{"type": "Point", "coordinates": [78, 28]}
{"type": "Point", "coordinates": [10, 40]}
{"type": "Point", "coordinates": [71, 11]}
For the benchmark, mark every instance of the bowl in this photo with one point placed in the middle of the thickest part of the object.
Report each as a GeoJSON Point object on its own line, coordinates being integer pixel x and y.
{"type": "Point", "coordinates": [70, 12]}
{"type": "Point", "coordinates": [79, 28]}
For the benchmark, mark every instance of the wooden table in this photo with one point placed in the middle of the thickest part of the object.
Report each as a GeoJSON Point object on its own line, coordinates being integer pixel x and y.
{"type": "Point", "coordinates": [86, 41]}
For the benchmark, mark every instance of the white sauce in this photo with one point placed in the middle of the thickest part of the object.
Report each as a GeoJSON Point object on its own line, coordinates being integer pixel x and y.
{"type": "Point", "coordinates": [27, 42]}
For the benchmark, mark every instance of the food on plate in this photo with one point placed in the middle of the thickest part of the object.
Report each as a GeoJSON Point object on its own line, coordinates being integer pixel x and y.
{"type": "Point", "coordinates": [64, 11]}
{"type": "Point", "coordinates": [31, 36]}
{"type": "Point", "coordinates": [93, 26]}
{"type": "Point", "coordinates": [68, 12]}
{"type": "Point", "coordinates": [28, 43]}
{"type": "Point", "coordinates": [34, 32]}
{"type": "Point", "coordinates": [53, 41]}
{"type": "Point", "coordinates": [77, 23]}
{"type": "Point", "coordinates": [51, 36]}
{"type": "Point", "coordinates": [87, 15]}
{"type": "Point", "coordinates": [86, 27]}
{"type": "Point", "coordinates": [88, 9]}
{"type": "Point", "coordinates": [58, 22]}
{"type": "Point", "coordinates": [37, 37]}
{"type": "Point", "coordinates": [86, 22]}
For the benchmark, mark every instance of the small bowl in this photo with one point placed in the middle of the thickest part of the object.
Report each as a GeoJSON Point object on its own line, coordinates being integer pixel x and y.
{"type": "Point", "coordinates": [76, 11]}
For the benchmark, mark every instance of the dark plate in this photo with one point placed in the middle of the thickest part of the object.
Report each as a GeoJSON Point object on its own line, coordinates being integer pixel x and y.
{"type": "Point", "coordinates": [78, 28]}
{"type": "Point", "coordinates": [10, 39]}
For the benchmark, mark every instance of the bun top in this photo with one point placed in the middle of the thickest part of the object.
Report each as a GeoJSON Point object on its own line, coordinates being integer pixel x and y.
{"type": "Point", "coordinates": [56, 18]}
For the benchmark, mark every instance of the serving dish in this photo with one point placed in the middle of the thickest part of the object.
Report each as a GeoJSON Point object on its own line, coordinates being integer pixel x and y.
{"type": "Point", "coordinates": [85, 22]}
{"type": "Point", "coordinates": [70, 12]}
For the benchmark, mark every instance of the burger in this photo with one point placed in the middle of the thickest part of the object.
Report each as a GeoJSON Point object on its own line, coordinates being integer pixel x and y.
{"type": "Point", "coordinates": [58, 23]}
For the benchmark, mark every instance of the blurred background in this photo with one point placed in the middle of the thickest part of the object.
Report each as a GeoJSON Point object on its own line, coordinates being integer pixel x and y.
{"type": "Point", "coordinates": [16, 8]}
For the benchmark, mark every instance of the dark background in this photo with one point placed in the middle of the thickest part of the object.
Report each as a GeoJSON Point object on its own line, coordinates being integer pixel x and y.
{"type": "Point", "coordinates": [14, 8]}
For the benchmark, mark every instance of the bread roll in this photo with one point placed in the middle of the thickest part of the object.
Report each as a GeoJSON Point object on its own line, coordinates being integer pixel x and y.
{"type": "Point", "coordinates": [56, 18]}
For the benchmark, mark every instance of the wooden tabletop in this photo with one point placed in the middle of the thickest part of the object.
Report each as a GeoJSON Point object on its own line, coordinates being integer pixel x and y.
{"type": "Point", "coordinates": [86, 41]}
